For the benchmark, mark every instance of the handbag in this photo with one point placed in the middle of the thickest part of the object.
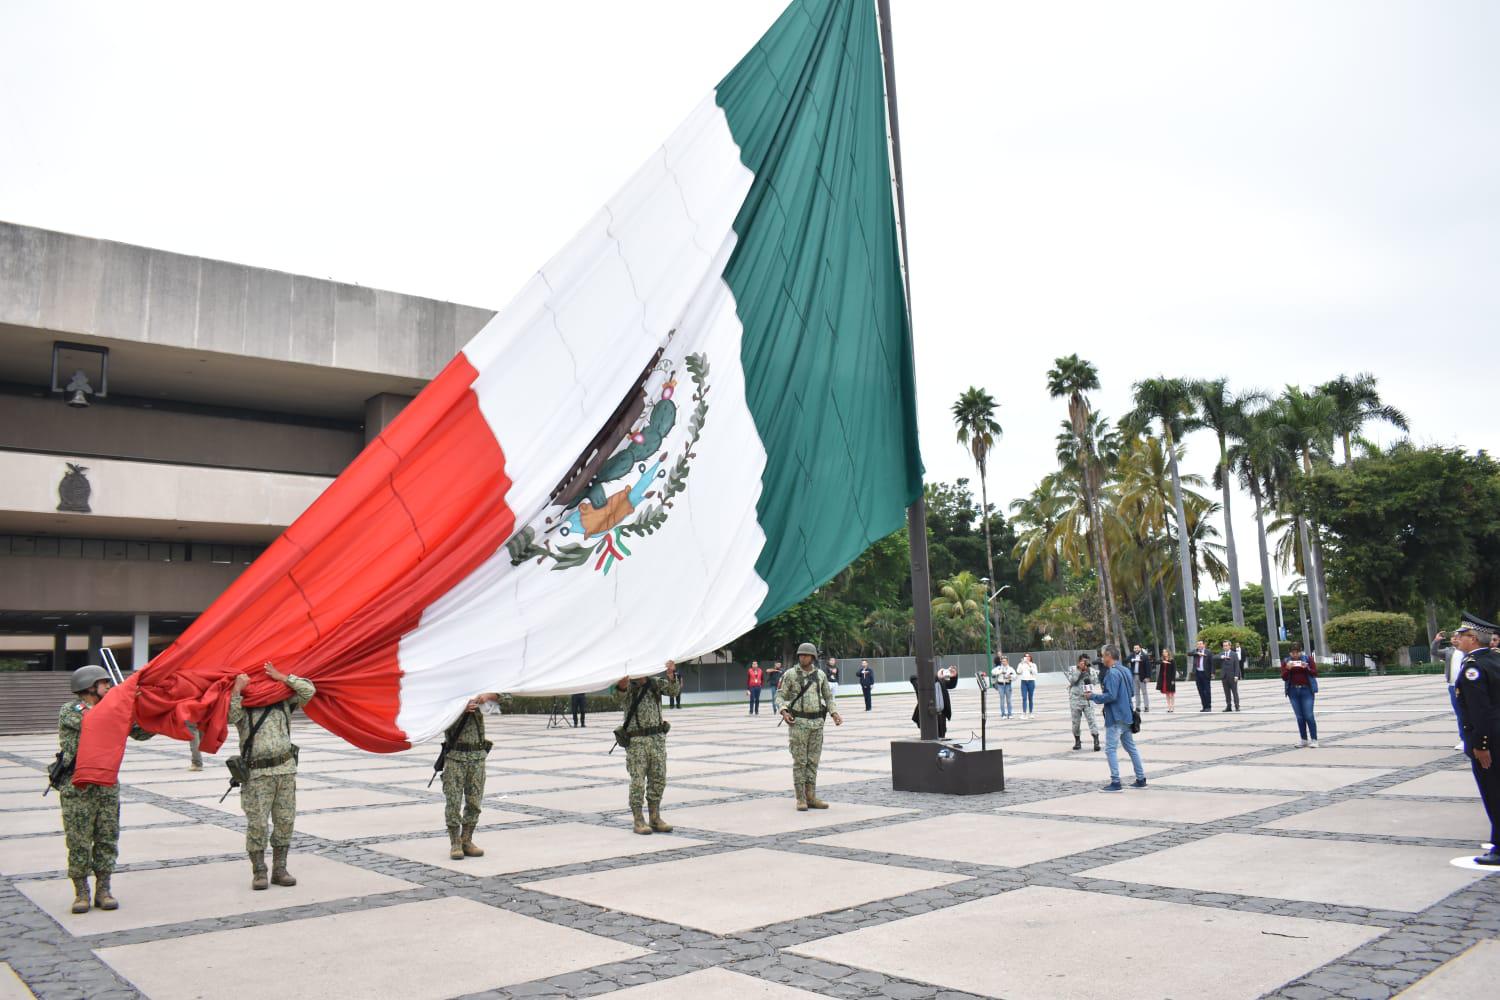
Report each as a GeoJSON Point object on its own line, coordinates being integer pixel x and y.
{"type": "Point", "coordinates": [1135, 721]}
{"type": "Point", "coordinates": [1312, 683]}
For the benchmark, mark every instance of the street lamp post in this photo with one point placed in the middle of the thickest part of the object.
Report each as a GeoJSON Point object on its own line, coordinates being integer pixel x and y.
{"type": "Point", "coordinates": [999, 640]}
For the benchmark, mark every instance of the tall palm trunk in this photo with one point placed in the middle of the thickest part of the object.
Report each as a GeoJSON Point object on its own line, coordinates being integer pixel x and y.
{"type": "Point", "coordinates": [1185, 567]}
{"type": "Point", "coordinates": [1236, 607]}
{"type": "Point", "coordinates": [1155, 634]}
{"type": "Point", "coordinates": [1312, 555]}
{"type": "Point", "coordinates": [989, 550]}
{"type": "Point", "coordinates": [1112, 625]}
{"type": "Point", "coordinates": [1316, 639]}
{"type": "Point", "coordinates": [1273, 646]}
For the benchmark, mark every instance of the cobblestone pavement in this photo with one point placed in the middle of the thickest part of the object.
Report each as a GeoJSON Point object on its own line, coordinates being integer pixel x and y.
{"type": "Point", "coordinates": [1247, 867]}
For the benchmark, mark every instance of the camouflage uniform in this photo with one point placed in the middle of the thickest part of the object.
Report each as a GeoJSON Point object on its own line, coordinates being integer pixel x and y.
{"type": "Point", "coordinates": [805, 733]}
{"type": "Point", "coordinates": [1079, 703]}
{"type": "Point", "coordinates": [271, 793]}
{"type": "Point", "coordinates": [646, 756]}
{"type": "Point", "coordinates": [91, 814]}
{"type": "Point", "coordinates": [463, 784]}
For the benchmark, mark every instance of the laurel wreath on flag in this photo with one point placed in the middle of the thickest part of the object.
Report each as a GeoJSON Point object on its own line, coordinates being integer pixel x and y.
{"type": "Point", "coordinates": [610, 547]}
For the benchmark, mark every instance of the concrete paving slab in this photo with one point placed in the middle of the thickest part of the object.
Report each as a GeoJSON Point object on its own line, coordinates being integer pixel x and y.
{"type": "Point", "coordinates": [50, 821]}
{"type": "Point", "coordinates": [1392, 757]}
{"type": "Point", "coordinates": [1315, 871]}
{"type": "Point", "coordinates": [1042, 924]}
{"type": "Point", "coordinates": [310, 800]}
{"type": "Point", "coordinates": [1094, 768]}
{"type": "Point", "coordinates": [11, 987]}
{"type": "Point", "coordinates": [1253, 741]}
{"type": "Point", "coordinates": [677, 768]}
{"type": "Point", "coordinates": [191, 788]}
{"type": "Point", "coordinates": [777, 779]}
{"type": "Point", "coordinates": [1438, 784]}
{"type": "Point", "coordinates": [610, 798]}
{"type": "Point", "coordinates": [27, 781]}
{"type": "Point", "coordinates": [1473, 974]}
{"type": "Point", "coordinates": [986, 839]}
{"type": "Point", "coordinates": [1395, 739]}
{"type": "Point", "coordinates": [1392, 817]}
{"type": "Point", "coordinates": [537, 846]}
{"type": "Point", "coordinates": [708, 893]}
{"type": "Point", "coordinates": [1270, 777]}
{"type": "Point", "coordinates": [26, 855]}
{"type": "Point", "coordinates": [10, 801]}
{"type": "Point", "coordinates": [709, 984]}
{"type": "Point", "coordinates": [506, 784]}
{"type": "Point", "coordinates": [194, 892]}
{"type": "Point", "coordinates": [406, 774]}
{"type": "Point", "coordinates": [1165, 805]}
{"type": "Point", "coordinates": [393, 821]}
{"type": "Point", "coordinates": [213, 775]}
{"type": "Point", "coordinates": [332, 957]}
{"type": "Point", "coordinates": [773, 817]}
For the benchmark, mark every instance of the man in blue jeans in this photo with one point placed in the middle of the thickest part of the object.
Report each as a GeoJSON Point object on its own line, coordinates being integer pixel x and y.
{"type": "Point", "coordinates": [1118, 690]}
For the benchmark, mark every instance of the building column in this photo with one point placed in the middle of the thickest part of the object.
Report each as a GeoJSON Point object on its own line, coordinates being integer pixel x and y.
{"type": "Point", "coordinates": [380, 410]}
{"type": "Point", "coordinates": [60, 650]}
{"type": "Point", "coordinates": [140, 642]}
{"type": "Point", "coordinates": [96, 643]}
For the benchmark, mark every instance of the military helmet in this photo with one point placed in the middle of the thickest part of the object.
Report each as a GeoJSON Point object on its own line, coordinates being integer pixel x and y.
{"type": "Point", "coordinates": [808, 649]}
{"type": "Point", "coordinates": [84, 678]}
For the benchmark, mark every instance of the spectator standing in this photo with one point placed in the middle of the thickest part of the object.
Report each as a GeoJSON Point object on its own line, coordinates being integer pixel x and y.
{"type": "Point", "coordinates": [1026, 673]}
{"type": "Point", "coordinates": [1450, 657]}
{"type": "Point", "coordinates": [1203, 675]}
{"type": "Point", "coordinates": [1004, 677]}
{"type": "Point", "coordinates": [1140, 665]}
{"type": "Point", "coordinates": [1299, 674]}
{"type": "Point", "coordinates": [866, 681]}
{"type": "Point", "coordinates": [832, 671]}
{"type": "Point", "coordinates": [1118, 718]}
{"type": "Point", "coordinates": [754, 679]}
{"type": "Point", "coordinates": [578, 703]}
{"type": "Point", "coordinates": [1166, 680]}
{"type": "Point", "coordinates": [1231, 669]}
{"type": "Point", "coordinates": [773, 678]}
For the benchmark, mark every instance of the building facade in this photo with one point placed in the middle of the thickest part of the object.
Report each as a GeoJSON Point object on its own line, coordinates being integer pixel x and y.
{"type": "Point", "coordinates": [164, 417]}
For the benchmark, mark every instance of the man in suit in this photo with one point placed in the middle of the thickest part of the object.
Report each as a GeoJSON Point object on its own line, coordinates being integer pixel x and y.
{"type": "Point", "coordinates": [1202, 667]}
{"type": "Point", "coordinates": [866, 681]}
{"type": "Point", "coordinates": [1231, 669]}
{"type": "Point", "coordinates": [1140, 666]}
{"type": "Point", "coordinates": [947, 680]}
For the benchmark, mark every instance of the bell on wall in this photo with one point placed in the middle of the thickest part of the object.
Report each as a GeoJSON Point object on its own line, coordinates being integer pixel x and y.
{"type": "Point", "coordinates": [79, 386]}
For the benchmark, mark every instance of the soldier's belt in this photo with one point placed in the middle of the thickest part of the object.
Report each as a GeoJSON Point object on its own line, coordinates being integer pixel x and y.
{"type": "Point", "coordinates": [810, 715]}
{"type": "Point", "coordinates": [649, 731]}
{"type": "Point", "coordinates": [275, 760]}
{"type": "Point", "coordinates": [485, 746]}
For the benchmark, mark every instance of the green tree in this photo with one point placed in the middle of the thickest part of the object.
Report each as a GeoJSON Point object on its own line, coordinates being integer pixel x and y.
{"type": "Point", "coordinates": [1306, 423]}
{"type": "Point", "coordinates": [1224, 413]}
{"type": "Point", "coordinates": [1374, 633]}
{"type": "Point", "coordinates": [1356, 402]}
{"type": "Point", "coordinates": [1168, 402]}
{"type": "Point", "coordinates": [974, 414]}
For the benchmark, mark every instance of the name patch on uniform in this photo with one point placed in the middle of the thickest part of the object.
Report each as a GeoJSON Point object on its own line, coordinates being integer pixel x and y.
{"type": "Point", "coordinates": [1472, 674]}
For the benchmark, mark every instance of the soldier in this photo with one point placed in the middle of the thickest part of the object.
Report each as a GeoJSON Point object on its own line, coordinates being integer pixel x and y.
{"type": "Point", "coordinates": [91, 814]}
{"type": "Point", "coordinates": [1082, 678]}
{"type": "Point", "coordinates": [270, 794]}
{"type": "Point", "coordinates": [463, 777]}
{"type": "Point", "coordinates": [644, 737]}
{"type": "Point", "coordinates": [804, 698]}
{"type": "Point", "coordinates": [1478, 684]}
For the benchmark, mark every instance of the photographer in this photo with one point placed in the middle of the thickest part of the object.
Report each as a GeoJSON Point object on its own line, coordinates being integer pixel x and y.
{"type": "Point", "coordinates": [1081, 681]}
{"type": "Point", "coordinates": [1118, 718]}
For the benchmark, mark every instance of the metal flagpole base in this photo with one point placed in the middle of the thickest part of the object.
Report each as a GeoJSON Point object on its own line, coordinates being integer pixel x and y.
{"type": "Point", "coordinates": [946, 768]}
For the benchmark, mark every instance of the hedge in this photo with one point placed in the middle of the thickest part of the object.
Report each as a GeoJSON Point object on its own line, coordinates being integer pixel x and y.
{"type": "Point", "coordinates": [1214, 635]}
{"type": "Point", "coordinates": [1374, 633]}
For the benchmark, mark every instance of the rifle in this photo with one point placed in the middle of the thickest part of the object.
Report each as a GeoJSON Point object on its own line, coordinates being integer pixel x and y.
{"type": "Point", "coordinates": [798, 696]}
{"type": "Point", "coordinates": [622, 735]}
{"type": "Point", "coordinates": [450, 737]}
{"type": "Point", "coordinates": [239, 767]}
{"type": "Point", "coordinates": [58, 773]}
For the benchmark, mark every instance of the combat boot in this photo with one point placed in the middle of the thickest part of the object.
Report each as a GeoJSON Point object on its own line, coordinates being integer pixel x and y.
{"type": "Point", "coordinates": [659, 825]}
{"type": "Point", "coordinates": [802, 798]}
{"type": "Point", "coordinates": [1096, 742]}
{"type": "Point", "coordinates": [813, 802]}
{"type": "Point", "coordinates": [1077, 742]}
{"type": "Point", "coordinates": [468, 846]}
{"type": "Point", "coordinates": [258, 878]}
{"type": "Point", "coordinates": [103, 898]}
{"type": "Point", "coordinates": [455, 846]}
{"type": "Point", "coordinates": [640, 821]}
{"type": "Point", "coordinates": [81, 902]}
{"type": "Point", "coordinates": [279, 874]}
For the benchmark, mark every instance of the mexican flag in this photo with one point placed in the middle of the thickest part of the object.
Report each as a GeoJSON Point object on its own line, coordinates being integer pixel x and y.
{"type": "Point", "coordinates": [697, 412]}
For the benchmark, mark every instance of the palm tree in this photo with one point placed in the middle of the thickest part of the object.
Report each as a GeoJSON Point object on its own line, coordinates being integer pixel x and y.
{"type": "Point", "coordinates": [1037, 519]}
{"type": "Point", "coordinates": [1166, 400]}
{"type": "Point", "coordinates": [1224, 413]}
{"type": "Point", "coordinates": [1071, 378]}
{"type": "Point", "coordinates": [1356, 402]}
{"type": "Point", "coordinates": [958, 610]}
{"type": "Point", "coordinates": [1257, 458]}
{"type": "Point", "coordinates": [974, 413]}
{"type": "Point", "coordinates": [1307, 426]}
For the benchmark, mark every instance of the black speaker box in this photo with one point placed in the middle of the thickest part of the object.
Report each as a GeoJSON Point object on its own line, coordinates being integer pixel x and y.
{"type": "Point", "coordinates": [946, 768]}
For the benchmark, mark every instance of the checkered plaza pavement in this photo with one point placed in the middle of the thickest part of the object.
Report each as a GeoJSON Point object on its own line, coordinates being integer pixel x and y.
{"type": "Point", "coordinates": [1247, 868]}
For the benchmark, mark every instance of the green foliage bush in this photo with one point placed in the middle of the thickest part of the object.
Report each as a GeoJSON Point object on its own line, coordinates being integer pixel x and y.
{"type": "Point", "coordinates": [1375, 633]}
{"type": "Point", "coordinates": [1215, 635]}
{"type": "Point", "coordinates": [510, 705]}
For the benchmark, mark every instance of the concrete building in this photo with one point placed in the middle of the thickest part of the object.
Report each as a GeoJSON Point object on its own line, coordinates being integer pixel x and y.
{"type": "Point", "coordinates": [163, 417]}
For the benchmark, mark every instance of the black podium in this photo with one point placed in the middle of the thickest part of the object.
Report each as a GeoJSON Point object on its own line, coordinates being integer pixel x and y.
{"type": "Point", "coordinates": [946, 767]}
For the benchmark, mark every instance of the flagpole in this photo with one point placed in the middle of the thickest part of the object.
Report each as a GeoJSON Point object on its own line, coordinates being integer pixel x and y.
{"type": "Point", "coordinates": [916, 514]}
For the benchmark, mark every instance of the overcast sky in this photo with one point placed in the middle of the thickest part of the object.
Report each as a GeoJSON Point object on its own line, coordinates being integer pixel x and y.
{"type": "Point", "coordinates": [1276, 191]}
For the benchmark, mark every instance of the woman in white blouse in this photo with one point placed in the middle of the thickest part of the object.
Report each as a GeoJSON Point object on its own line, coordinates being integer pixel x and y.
{"type": "Point", "coordinates": [1026, 673]}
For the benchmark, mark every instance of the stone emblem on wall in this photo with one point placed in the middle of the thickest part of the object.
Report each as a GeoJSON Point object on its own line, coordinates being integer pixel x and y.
{"type": "Point", "coordinates": [74, 491]}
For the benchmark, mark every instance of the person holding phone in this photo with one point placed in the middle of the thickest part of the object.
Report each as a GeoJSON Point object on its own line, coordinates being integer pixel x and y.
{"type": "Point", "coordinates": [1299, 674]}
